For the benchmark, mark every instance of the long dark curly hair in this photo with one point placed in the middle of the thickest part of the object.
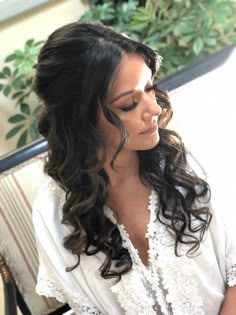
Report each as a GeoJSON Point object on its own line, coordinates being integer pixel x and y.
{"type": "Point", "coordinates": [74, 73]}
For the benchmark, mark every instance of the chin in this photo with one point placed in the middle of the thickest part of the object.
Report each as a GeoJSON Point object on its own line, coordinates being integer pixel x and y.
{"type": "Point", "coordinates": [143, 144]}
{"type": "Point", "coordinates": [149, 145]}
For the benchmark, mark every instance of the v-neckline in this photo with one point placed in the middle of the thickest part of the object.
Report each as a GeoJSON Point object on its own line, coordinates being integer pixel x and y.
{"type": "Point", "coordinates": [127, 243]}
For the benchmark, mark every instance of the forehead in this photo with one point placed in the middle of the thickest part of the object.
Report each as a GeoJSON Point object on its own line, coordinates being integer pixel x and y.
{"type": "Point", "coordinates": [132, 73]}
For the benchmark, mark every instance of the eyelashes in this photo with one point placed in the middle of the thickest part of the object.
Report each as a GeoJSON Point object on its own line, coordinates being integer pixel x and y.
{"type": "Point", "coordinates": [151, 88]}
{"type": "Point", "coordinates": [134, 104]}
{"type": "Point", "coordinates": [129, 107]}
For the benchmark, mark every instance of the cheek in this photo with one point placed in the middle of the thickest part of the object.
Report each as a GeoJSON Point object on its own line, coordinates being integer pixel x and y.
{"type": "Point", "coordinates": [110, 133]}
{"type": "Point", "coordinates": [133, 126]}
{"type": "Point", "coordinates": [112, 137]}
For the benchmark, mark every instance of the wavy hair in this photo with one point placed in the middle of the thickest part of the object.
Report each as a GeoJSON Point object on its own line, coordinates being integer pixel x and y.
{"type": "Point", "coordinates": [74, 73]}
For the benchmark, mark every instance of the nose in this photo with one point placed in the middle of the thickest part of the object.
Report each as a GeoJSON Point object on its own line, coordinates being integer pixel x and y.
{"type": "Point", "coordinates": [151, 108]}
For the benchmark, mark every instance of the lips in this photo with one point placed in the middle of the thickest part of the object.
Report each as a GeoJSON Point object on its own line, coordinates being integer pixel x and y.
{"type": "Point", "coordinates": [150, 130]}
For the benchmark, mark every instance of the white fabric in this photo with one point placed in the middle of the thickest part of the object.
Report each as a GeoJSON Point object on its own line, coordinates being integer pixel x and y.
{"type": "Point", "coordinates": [170, 285]}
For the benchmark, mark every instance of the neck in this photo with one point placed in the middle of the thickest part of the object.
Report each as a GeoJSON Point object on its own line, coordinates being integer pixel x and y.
{"type": "Point", "coordinates": [125, 167]}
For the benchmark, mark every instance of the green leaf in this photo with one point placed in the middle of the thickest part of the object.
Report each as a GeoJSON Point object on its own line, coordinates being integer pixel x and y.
{"type": "Point", "coordinates": [124, 13]}
{"type": "Point", "coordinates": [185, 39]}
{"type": "Point", "coordinates": [16, 118]}
{"type": "Point", "coordinates": [33, 52]}
{"type": "Point", "coordinates": [136, 26]}
{"type": "Point", "coordinates": [142, 15]}
{"type": "Point", "coordinates": [21, 99]}
{"type": "Point", "coordinates": [198, 45]}
{"type": "Point", "coordinates": [213, 33]}
{"type": "Point", "coordinates": [1, 87]}
{"type": "Point", "coordinates": [102, 12]}
{"type": "Point", "coordinates": [166, 31]}
{"type": "Point", "coordinates": [208, 21]}
{"type": "Point", "coordinates": [22, 140]}
{"type": "Point", "coordinates": [10, 58]}
{"type": "Point", "coordinates": [29, 82]}
{"type": "Point", "coordinates": [174, 13]}
{"type": "Point", "coordinates": [6, 71]}
{"type": "Point", "coordinates": [25, 109]}
{"type": "Point", "coordinates": [87, 16]}
{"type": "Point", "coordinates": [7, 90]}
{"type": "Point", "coordinates": [152, 39]}
{"type": "Point", "coordinates": [18, 83]}
{"type": "Point", "coordinates": [105, 12]}
{"type": "Point", "coordinates": [33, 133]}
{"type": "Point", "coordinates": [221, 19]}
{"type": "Point", "coordinates": [210, 41]}
{"type": "Point", "coordinates": [17, 94]}
{"type": "Point", "coordinates": [187, 3]}
{"type": "Point", "coordinates": [37, 110]}
{"type": "Point", "coordinates": [26, 67]}
{"type": "Point", "coordinates": [223, 6]}
{"type": "Point", "coordinates": [183, 27]}
{"type": "Point", "coordinates": [13, 131]}
{"type": "Point", "coordinates": [2, 75]}
{"type": "Point", "coordinates": [39, 43]}
{"type": "Point", "coordinates": [19, 53]}
{"type": "Point", "coordinates": [29, 42]}
{"type": "Point", "coordinates": [15, 72]}
{"type": "Point", "coordinates": [18, 62]}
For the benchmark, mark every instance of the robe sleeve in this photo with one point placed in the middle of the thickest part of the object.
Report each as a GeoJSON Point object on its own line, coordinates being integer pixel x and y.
{"type": "Point", "coordinates": [223, 199]}
{"type": "Point", "coordinates": [230, 248]}
{"type": "Point", "coordinates": [53, 280]}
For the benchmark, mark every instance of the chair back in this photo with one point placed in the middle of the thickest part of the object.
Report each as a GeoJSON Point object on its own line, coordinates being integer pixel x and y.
{"type": "Point", "coordinates": [19, 186]}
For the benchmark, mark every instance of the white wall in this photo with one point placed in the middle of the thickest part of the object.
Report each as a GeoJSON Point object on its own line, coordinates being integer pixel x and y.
{"type": "Point", "coordinates": [205, 117]}
{"type": "Point", "coordinates": [36, 24]}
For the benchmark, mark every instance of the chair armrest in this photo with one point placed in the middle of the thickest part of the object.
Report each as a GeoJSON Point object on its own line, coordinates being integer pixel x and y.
{"type": "Point", "coordinates": [9, 289]}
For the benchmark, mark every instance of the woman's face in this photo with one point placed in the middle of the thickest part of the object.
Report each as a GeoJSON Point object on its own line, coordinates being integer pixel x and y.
{"type": "Point", "coordinates": [137, 108]}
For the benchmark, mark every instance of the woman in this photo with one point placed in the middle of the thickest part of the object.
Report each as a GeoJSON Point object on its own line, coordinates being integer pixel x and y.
{"type": "Point", "coordinates": [125, 225]}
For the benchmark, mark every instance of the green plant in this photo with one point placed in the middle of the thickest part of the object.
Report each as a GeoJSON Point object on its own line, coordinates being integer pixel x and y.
{"type": "Point", "coordinates": [181, 31]}
{"type": "Point", "coordinates": [16, 83]}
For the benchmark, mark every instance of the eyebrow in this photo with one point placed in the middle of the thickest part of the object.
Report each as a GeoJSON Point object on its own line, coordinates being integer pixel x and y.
{"type": "Point", "coordinates": [121, 95]}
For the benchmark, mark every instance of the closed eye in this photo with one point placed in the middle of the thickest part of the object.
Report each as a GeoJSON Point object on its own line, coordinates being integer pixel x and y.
{"type": "Point", "coordinates": [134, 104]}
{"type": "Point", "coordinates": [129, 107]}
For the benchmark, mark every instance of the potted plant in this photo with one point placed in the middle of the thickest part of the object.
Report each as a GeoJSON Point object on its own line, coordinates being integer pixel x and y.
{"type": "Point", "coordinates": [181, 31]}
{"type": "Point", "coordinates": [16, 80]}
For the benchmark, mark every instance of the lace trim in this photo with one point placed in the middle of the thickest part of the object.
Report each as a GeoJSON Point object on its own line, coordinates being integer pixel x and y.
{"type": "Point", "coordinates": [130, 291]}
{"type": "Point", "coordinates": [154, 270]}
{"type": "Point", "coordinates": [79, 304]}
{"type": "Point", "coordinates": [166, 272]}
{"type": "Point", "coordinates": [151, 232]}
{"type": "Point", "coordinates": [131, 295]}
{"type": "Point", "coordinates": [49, 288]}
{"type": "Point", "coordinates": [175, 272]}
{"type": "Point", "coordinates": [231, 270]}
{"type": "Point", "coordinates": [135, 292]}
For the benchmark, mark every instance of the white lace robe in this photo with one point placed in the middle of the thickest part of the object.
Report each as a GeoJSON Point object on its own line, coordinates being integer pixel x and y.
{"type": "Point", "coordinates": [170, 285]}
